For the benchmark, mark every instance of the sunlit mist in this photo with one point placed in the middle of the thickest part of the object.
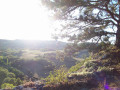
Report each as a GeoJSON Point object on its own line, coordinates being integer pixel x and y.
{"type": "Point", "coordinates": [24, 19]}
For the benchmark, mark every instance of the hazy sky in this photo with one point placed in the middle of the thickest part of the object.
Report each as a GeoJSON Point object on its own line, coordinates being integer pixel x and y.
{"type": "Point", "coordinates": [24, 19]}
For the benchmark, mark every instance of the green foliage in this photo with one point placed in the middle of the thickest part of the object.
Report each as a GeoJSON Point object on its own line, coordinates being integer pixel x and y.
{"type": "Point", "coordinates": [91, 22]}
{"type": "Point", "coordinates": [76, 67]}
{"type": "Point", "coordinates": [7, 86]}
{"type": "Point", "coordinates": [109, 56]}
{"type": "Point", "coordinates": [79, 65]}
{"type": "Point", "coordinates": [104, 69]}
{"type": "Point", "coordinates": [89, 64]}
{"type": "Point", "coordinates": [57, 76]}
{"type": "Point", "coordinates": [8, 77]}
{"type": "Point", "coordinates": [17, 72]}
{"type": "Point", "coordinates": [10, 80]}
{"type": "Point", "coordinates": [13, 81]}
{"type": "Point", "coordinates": [3, 74]}
{"type": "Point", "coordinates": [11, 75]}
{"type": "Point", "coordinates": [89, 68]}
{"type": "Point", "coordinates": [82, 75]}
{"type": "Point", "coordinates": [3, 60]}
{"type": "Point", "coordinates": [18, 81]}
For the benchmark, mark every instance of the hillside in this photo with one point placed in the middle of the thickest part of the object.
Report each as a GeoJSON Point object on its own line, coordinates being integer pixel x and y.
{"type": "Point", "coordinates": [29, 60]}
{"type": "Point", "coordinates": [32, 44]}
{"type": "Point", "coordinates": [55, 71]}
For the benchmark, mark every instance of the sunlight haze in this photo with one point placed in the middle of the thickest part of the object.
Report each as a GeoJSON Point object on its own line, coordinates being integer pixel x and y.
{"type": "Point", "coordinates": [24, 19]}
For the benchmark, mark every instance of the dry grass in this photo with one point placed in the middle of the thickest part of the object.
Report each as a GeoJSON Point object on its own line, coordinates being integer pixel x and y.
{"type": "Point", "coordinates": [31, 54]}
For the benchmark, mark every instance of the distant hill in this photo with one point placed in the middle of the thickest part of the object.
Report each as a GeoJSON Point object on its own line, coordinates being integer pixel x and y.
{"type": "Point", "coordinates": [31, 44]}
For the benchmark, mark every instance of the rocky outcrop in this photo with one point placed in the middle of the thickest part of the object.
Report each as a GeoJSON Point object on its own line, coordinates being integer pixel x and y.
{"type": "Point", "coordinates": [30, 86]}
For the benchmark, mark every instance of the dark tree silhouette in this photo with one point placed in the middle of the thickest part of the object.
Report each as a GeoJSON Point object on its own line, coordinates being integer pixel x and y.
{"type": "Point", "coordinates": [88, 19]}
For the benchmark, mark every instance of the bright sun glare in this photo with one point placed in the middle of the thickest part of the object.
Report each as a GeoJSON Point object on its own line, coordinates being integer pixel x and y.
{"type": "Point", "coordinates": [24, 19]}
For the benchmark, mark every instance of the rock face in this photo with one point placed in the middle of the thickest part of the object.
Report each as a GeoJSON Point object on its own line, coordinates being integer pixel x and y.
{"type": "Point", "coordinates": [30, 86]}
{"type": "Point", "coordinates": [20, 87]}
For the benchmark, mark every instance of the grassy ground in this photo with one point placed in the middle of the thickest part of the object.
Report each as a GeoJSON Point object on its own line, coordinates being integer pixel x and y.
{"type": "Point", "coordinates": [31, 54]}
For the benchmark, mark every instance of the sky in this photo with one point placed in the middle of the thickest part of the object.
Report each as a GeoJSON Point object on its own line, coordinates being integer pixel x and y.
{"type": "Point", "coordinates": [24, 19]}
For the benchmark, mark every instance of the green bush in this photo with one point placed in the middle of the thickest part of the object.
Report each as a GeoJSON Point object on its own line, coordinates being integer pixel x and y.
{"type": "Point", "coordinates": [104, 69]}
{"type": "Point", "coordinates": [8, 77]}
{"type": "Point", "coordinates": [11, 75]}
{"type": "Point", "coordinates": [57, 76]}
{"type": "Point", "coordinates": [79, 65]}
{"type": "Point", "coordinates": [82, 74]}
{"type": "Point", "coordinates": [90, 66]}
{"type": "Point", "coordinates": [3, 74]}
{"type": "Point", "coordinates": [7, 86]}
{"type": "Point", "coordinates": [17, 72]}
{"type": "Point", "coordinates": [10, 80]}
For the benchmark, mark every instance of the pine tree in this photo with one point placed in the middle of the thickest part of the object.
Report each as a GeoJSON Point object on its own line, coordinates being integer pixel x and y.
{"type": "Point", "coordinates": [88, 19]}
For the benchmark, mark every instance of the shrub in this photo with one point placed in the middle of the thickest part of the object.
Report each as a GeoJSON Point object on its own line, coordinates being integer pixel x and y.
{"type": "Point", "coordinates": [18, 81]}
{"type": "Point", "coordinates": [82, 75]}
{"type": "Point", "coordinates": [90, 64]}
{"type": "Point", "coordinates": [11, 75]}
{"type": "Point", "coordinates": [10, 80]}
{"type": "Point", "coordinates": [3, 74]}
{"type": "Point", "coordinates": [57, 76]}
{"type": "Point", "coordinates": [104, 69]}
{"type": "Point", "coordinates": [17, 72]}
{"type": "Point", "coordinates": [79, 65]}
{"type": "Point", "coordinates": [7, 86]}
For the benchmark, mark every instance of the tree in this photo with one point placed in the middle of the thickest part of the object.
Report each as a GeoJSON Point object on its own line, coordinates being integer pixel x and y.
{"type": "Point", "coordinates": [17, 72]}
{"type": "Point", "coordinates": [18, 81]}
{"type": "Point", "coordinates": [86, 20]}
{"type": "Point", "coordinates": [10, 80]}
{"type": "Point", "coordinates": [7, 86]}
{"type": "Point", "coordinates": [3, 74]}
{"type": "Point", "coordinates": [11, 75]}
